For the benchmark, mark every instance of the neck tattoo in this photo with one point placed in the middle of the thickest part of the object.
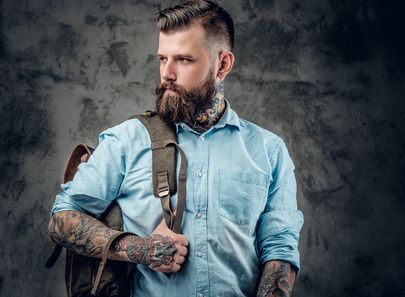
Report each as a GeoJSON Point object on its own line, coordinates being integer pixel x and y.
{"type": "Point", "coordinates": [211, 116]}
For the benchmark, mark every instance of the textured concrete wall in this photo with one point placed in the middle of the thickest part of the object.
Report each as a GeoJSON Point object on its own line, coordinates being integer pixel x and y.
{"type": "Point", "coordinates": [326, 75]}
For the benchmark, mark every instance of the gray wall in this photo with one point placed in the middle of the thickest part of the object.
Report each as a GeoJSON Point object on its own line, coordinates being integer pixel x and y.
{"type": "Point", "coordinates": [326, 75]}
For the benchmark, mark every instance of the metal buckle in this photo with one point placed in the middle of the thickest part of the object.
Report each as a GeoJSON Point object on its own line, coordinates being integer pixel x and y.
{"type": "Point", "coordinates": [149, 113]}
{"type": "Point", "coordinates": [163, 184]}
{"type": "Point", "coordinates": [163, 191]}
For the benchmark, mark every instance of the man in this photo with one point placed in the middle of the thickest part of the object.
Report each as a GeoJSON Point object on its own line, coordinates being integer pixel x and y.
{"type": "Point", "coordinates": [241, 224]}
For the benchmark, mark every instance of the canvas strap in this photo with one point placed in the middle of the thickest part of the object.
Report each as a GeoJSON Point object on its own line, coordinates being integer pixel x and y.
{"type": "Point", "coordinates": [104, 258]}
{"type": "Point", "coordinates": [164, 146]}
{"type": "Point", "coordinates": [172, 221]}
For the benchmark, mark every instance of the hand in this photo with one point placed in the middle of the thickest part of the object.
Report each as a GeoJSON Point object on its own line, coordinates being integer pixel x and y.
{"type": "Point", "coordinates": [277, 279]}
{"type": "Point", "coordinates": [168, 249]}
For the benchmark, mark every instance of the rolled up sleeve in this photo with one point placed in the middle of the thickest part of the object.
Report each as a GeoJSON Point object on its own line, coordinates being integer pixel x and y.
{"type": "Point", "coordinates": [280, 223]}
{"type": "Point", "coordinates": [98, 181]}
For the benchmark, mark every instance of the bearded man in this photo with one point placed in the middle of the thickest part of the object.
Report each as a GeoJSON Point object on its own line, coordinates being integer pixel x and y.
{"type": "Point", "coordinates": [241, 225]}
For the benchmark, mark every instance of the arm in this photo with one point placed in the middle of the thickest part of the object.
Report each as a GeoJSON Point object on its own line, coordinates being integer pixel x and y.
{"type": "Point", "coordinates": [279, 227]}
{"type": "Point", "coordinates": [163, 250]}
{"type": "Point", "coordinates": [277, 280]}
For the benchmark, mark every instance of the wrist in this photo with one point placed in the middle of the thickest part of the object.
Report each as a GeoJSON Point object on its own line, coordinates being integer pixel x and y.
{"type": "Point", "coordinates": [138, 250]}
{"type": "Point", "coordinates": [131, 248]}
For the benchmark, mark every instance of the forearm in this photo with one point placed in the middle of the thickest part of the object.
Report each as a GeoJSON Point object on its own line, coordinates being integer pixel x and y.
{"type": "Point", "coordinates": [81, 233]}
{"type": "Point", "coordinates": [277, 280]}
{"type": "Point", "coordinates": [87, 236]}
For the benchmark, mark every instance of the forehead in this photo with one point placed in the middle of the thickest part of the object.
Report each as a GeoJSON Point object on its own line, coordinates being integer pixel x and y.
{"type": "Point", "coordinates": [189, 40]}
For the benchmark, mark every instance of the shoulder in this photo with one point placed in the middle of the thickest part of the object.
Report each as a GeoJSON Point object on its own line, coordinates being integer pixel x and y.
{"type": "Point", "coordinates": [127, 131]}
{"type": "Point", "coordinates": [270, 140]}
{"type": "Point", "coordinates": [273, 145]}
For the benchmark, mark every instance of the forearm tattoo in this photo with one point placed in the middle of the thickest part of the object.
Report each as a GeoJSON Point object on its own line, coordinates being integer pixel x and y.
{"type": "Point", "coordinates": [152, 251]}
{"type": "Point", "coordinates": [277, 280]}
{"type": "Point", "coordinates": [87, 236]}
{"type": "Point", "coordinates": [79, 232]}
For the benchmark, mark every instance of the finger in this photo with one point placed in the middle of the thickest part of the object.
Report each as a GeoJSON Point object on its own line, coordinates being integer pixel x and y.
{"type": "Point", "coordinates": [162, 229]}
{"type": "Point", "coordinates": [162, 225]}
{"type": "Point", "coordinates": [181, 250]}
{"type": "Point", "coordinates": [182, 240]}
{"type": "Point", "coordinates": [175, 267]}
{"type": "Point", "coordinates": [161, 268]}
{"type": "Point", "coordinates": [165, 270]}
{"type": "Point", "coordinates": [179, 259]}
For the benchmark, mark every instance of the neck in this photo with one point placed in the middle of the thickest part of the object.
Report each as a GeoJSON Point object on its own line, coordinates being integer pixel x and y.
{"type": "Point", "coordinates": [211, 116]}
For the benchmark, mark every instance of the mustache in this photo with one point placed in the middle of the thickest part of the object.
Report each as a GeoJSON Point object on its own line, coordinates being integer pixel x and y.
{"type": "Point", "coordinates": [162, 87]}
{"type": "Point", "coordinates": [172, 108]}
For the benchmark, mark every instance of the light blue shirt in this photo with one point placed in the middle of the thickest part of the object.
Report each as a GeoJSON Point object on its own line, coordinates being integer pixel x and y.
{"type": "Point", "coordinates": [241, 207]}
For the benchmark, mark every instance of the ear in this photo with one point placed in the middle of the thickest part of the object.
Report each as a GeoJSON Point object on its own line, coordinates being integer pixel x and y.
{"type": "Point", "coordinates": [226, 60]}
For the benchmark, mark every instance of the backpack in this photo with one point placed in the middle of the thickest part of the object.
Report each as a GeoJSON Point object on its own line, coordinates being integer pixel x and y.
{"type": "Point", "coordinates": [86, 276]}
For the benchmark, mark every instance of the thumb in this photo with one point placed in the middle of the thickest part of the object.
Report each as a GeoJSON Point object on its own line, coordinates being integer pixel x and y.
{"type": "Point", "coordinates": [162, 228]}
{"type": "Point", "coordinates": [163, 219]}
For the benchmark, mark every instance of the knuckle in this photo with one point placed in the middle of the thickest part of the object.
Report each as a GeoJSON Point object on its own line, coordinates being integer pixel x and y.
{"type": "Point", "coordinates": [185, 251]}
{"type": "Point", "coordinates": [164, 269]}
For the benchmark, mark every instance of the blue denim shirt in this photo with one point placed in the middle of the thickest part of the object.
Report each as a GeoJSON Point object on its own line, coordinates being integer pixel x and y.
{"type": "Point", "coordinates": [240, 212]}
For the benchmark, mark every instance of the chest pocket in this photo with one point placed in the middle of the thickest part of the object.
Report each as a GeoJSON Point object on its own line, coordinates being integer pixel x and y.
{"type": "Point", "coordinates": [242, 196]}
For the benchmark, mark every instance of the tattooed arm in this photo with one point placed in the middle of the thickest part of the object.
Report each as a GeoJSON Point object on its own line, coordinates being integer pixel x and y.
{"type": "Point", "coordinates": [277, 280]}
{"type": "Point", "coordinates": [162, 251]}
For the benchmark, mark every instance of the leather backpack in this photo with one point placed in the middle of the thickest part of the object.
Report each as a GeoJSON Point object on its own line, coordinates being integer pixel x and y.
{"type": "Point", "coordinates": [86, 276]}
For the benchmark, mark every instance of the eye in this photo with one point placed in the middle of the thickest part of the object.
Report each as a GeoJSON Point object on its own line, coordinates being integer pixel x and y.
{"type": "Point", "coordinates": [184, 60]}
{"type": "Point", "coordinates": [162, 59]}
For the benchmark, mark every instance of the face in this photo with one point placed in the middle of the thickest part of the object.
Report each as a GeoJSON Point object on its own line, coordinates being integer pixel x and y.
{"type": "Point", "coordinates": [187, 76]}
{"type": "Point", "coordinates": [184, 60]}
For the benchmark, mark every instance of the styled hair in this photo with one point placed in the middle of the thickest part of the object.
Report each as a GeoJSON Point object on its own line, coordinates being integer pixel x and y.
{"type": "Point", "coordinates": [216, 22]}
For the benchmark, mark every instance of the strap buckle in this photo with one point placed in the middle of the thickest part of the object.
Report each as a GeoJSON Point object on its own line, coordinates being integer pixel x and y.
{"type": "Point", "coordinates": [163, 184]}
{"type": "Point", "coordinates": [149, 113]}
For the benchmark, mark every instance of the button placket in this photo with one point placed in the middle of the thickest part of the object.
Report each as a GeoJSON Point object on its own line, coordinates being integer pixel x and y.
{"type": "Point", "coordinates": [200, 198]}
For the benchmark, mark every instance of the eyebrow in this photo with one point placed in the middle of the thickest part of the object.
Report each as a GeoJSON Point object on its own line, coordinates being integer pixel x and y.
{"type": "Point", "coordinates": [177, 56]}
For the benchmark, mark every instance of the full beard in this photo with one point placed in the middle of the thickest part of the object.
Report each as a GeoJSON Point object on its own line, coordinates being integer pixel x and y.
{"type": "Point", "coordinates": [184, 106]}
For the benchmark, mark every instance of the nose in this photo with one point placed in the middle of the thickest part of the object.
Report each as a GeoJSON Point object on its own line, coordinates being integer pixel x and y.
{"type": "Point", "coordinates": [168, 71]}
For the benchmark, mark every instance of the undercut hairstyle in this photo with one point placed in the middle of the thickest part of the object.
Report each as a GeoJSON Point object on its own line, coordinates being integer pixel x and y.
{"type": "Point", "coordinates": [216, 22]}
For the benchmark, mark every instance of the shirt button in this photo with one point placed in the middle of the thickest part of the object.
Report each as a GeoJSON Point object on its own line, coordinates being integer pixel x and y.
{"type": "Point", "coordinates": [199, 173]}
{"type": "Point", "coordinates": [200, 295]}
{"type": "Point", "coordinates": [198, 215]}
{"type": "Point", "coordinates": [198, 254]}
{"type": "Point", "coordinates": [202, 138]}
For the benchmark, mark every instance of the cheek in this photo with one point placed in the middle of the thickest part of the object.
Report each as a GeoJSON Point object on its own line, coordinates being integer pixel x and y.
{"type": "Point", "coordinates": [161, 69]}
{"type": "Point", "coordinates": [191, 77]}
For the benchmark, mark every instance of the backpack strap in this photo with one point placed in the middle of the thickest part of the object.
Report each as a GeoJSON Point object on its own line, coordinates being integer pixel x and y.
{"type": "Point", "coordinates": [164, 146]}
{"type": "Point", "coordinates": [175, 224]}
{"type": "Point", "coordinates": [57, 249]}
{"type": "Point", "coordinates": [104, 258]}
{"type": "Point", "coordinates": [80, 153]}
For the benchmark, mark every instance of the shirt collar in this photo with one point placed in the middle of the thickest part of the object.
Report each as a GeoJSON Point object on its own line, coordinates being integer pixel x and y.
{"type": "Point", "coordinates": [228, 118]}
